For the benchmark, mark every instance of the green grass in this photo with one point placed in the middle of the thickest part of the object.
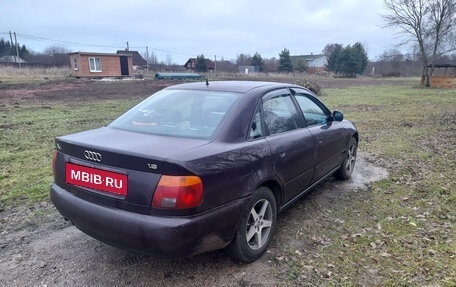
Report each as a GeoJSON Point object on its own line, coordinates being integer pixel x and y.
{"type": "Point", "coordinates": [401, 232]}
{"type": "Point", "coordinates": [27, 143]}
{"type": "Point", "coordinates": [398, 233]}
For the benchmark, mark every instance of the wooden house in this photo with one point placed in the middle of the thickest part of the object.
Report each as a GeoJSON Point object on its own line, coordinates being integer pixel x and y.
{"type": "Point", "coordinates": [99, 65]}
{"type": "Point", "coordinates": [191, 65]}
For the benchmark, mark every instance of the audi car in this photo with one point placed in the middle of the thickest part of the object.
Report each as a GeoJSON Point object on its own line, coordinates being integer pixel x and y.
{"type": "Point", "coordinates": [201, 166]}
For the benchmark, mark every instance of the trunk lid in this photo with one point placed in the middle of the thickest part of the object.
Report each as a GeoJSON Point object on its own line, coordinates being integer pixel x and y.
{"type": "Point", "coordinates": [114, 167]}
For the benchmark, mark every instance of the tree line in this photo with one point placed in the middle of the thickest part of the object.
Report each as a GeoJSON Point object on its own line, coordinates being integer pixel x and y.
{"type": "Point", "coordinates": [51, 56]}
{"type": "Point", "coordinates": [341, 64]}
{"type": "Point", "coordinates": [348, 61]}
{"type": "Point", "coordinates": [8, 49]}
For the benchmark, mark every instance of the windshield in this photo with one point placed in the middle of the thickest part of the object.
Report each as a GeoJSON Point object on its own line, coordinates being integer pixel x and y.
{"type": "Point", "coordinates": [182, 113]}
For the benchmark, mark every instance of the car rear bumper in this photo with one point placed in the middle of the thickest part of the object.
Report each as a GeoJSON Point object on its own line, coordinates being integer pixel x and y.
{"type": "Point", "coordinates": [155, 235]}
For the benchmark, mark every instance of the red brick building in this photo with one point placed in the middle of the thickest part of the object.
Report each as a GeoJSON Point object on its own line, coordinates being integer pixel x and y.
{"type": "Point", "coordinates": [97, 65]}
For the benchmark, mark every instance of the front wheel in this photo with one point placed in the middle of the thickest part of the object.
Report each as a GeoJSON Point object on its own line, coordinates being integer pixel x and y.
{"type": "Point", "coordinates": [347, 166]}
{"type": "Point", "coordinates": [257, 225]}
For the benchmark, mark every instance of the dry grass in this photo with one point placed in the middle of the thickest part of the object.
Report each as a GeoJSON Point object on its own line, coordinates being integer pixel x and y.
{"type": "Point", "coordinates": [14, 75]}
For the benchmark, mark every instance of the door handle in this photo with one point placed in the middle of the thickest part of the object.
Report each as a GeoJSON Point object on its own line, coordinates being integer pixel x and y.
{"type": "Point", "coordinates": [282, 154]}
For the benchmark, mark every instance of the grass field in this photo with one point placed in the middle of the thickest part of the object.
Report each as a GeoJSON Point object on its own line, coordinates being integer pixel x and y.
{"type": "Point", "coordinates": [402, 233]}
{"type": "Point", "coordinates": [13, 75]}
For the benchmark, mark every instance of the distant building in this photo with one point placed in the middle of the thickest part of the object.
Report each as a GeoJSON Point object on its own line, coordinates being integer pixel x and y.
{"type": "Point", "coordinates": [138, 60]}
{"type": "Point", "coordinates": [314, 63]}
{"type": "Point", "coordinates": [444, 76]}
{"type": "Point", "coordinates": [191, 65]}
{"type": "Point", "coordinates": [98, 65]}
{"type": "Point", "coordinates": [12, 60]}
{"type": "Point", "coordinates": [248, 69]}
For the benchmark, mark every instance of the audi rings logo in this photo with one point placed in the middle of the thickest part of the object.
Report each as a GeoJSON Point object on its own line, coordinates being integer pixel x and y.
{"type": "Point", "coordinates": [91, 155]}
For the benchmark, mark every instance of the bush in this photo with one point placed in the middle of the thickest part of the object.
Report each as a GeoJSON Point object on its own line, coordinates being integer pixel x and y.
{"type": "Point", "coordinates": [311, 85]}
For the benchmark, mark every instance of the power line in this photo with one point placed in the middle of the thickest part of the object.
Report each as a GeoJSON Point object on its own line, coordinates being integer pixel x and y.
{"type": "Point", "coordinates": [117, 46]}
{"type": "Point", "coordinates": [80, 44]}
{"type": "Point", "coordinates": [42, 39]}
{"type": "Point", "coordinates": [162, 50]}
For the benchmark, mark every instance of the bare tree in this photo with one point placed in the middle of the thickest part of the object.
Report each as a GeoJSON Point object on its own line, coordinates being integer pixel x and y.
{"type": "Point", "coordinates": [51, 56]}
{"type": "Point", "coordinates": [169, 60]}
{"type": "Point", "coordinates": [151, 58]}
{"type": "Point", "coordinates": [329, 48]}
{"type": "Point", "coordinates": [244, 60]}
{"type": "Point", "coordinates": [270, 65]}
{"type": "Point", "coordinates": [54, 50]}
{"type": "Point", "coordinates": [429, 24]}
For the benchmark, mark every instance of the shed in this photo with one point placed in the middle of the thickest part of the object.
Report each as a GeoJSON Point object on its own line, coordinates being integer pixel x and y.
{"type": "Point", "coordinates": [444, 76]}
{"type": "Point", "coordinates": [248, 69]}
{"type": "Point", "coordinates": [99, 65]}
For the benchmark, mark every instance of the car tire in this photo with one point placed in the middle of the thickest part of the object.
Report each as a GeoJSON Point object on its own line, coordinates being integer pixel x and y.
{"type": "Point", "coordinates": [256, 227]}
{"type": "Point", "coordinates": [347, 166]}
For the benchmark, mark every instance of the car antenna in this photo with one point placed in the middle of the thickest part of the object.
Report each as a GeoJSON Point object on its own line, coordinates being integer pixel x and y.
{"type": "Point", "coordinates": [207, 83]}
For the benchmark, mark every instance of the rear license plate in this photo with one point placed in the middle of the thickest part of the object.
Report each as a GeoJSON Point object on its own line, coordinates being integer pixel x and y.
{"type": "Point", "coordinates": [98, 179]}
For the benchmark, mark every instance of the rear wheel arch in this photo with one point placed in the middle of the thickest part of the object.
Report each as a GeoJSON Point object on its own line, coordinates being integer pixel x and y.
{"type": "Point", "coordinates": [356, 136]}
{"type": "Point", "coordinates": [276, 189]}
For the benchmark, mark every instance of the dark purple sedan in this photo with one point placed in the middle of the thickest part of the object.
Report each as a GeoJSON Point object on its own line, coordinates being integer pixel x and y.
{"type": "Point", "coordinates": [201, 166]}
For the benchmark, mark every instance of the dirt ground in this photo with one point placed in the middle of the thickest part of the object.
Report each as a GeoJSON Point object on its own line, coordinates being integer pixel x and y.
{"type": "Point", "coordinates": [39, 248]}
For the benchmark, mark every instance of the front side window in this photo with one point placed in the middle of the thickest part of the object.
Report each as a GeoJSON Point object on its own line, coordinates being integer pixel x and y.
{"type": "Point", "coordinates": [181, 113]}
{"type": "Point", "coordinates": [279, 112]}
{"type": "Point", "coordinates": [95, 64]}
{"type": "Point", "coordinates": [313, 113]}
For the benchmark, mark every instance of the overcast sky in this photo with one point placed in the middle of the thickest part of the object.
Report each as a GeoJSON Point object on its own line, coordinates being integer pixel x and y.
{"type": "Point", "coordinates": [179, 29]}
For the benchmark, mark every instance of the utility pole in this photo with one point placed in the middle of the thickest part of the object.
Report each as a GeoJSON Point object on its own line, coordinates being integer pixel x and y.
{"type": "Point", "coordinates": [215, 65]}
{"type": "Point", "coordinates": [147, 57]}
{"type": "Point", "coordinates": [11, 43]}
{"type": "Point", "coordinates": [128, 47]}
{"type": "Point", "coordinates": [17, 50]}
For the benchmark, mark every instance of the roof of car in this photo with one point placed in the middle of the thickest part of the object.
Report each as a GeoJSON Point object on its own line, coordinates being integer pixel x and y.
{"type": "Point", "coordinates": [230, 86]}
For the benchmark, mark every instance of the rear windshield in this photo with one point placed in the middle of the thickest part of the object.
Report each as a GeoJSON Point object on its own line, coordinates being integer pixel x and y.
{"type": "Point", "coordinates": [181, 113]}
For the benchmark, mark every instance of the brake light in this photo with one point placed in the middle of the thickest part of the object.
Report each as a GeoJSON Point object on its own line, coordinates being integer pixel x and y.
{"type": "Point", "coordinates": [178, 192]}
{"type": "Point", "coordinates": [54, 159]}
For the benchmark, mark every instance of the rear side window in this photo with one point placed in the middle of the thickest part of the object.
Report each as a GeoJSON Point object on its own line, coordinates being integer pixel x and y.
{"type": "Point", "coordinates": [255, 128]}
{"type": "Point", "coordinates": [182, 113]}
{"type": "Point", "coordinates": [279, 112]}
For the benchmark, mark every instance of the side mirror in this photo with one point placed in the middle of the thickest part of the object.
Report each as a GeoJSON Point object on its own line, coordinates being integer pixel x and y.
{"type": "Point", "coordinates": [338, 116]}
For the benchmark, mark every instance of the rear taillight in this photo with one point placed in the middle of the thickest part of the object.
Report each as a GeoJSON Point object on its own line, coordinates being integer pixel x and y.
{"type": "Point", "coordinates": [54, 159]}
{"type": "Point", "coordinates": [178, 192]}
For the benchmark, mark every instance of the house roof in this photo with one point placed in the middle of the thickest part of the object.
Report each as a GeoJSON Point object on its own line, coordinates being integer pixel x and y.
{"type": "Point", "coordinates": [308, 57]}
{"type": "Point", "coordinates": [138, 60]}
{"type": "Point", "coordinates": [210, 64]}
{"type": "Point", "coordinates": [12, 59]}
{"type": "Point", "coordinates": [99, 54]}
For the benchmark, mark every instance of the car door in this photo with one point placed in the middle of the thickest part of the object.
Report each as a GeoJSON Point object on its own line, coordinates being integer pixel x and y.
{"type": "Point", "coordinates": [329, 135]}
{"type": "Point", "coordinates": [292, 145]}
